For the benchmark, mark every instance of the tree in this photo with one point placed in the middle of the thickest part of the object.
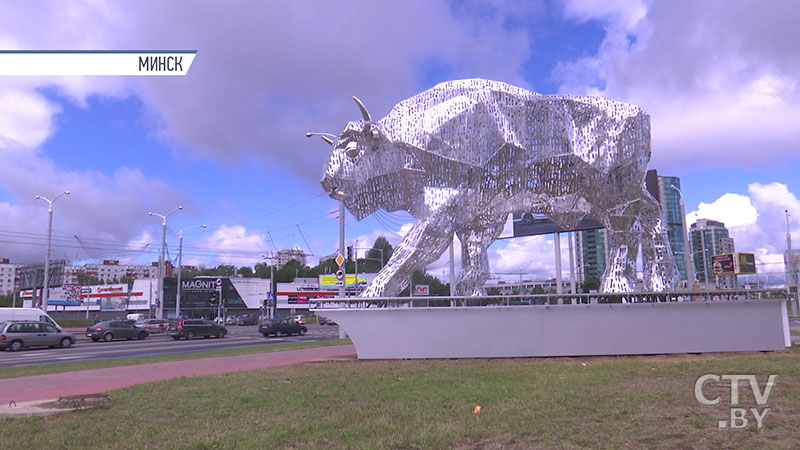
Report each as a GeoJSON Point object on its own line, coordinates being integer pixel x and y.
{"type": "Point", "coordinates": [86, 280]}
{"type": "Point", "coordinates": [375, 259]}
{"type": "Point", "coordinates": [591, 284]}
{"type": "Point", "coordinates": [246, 272]}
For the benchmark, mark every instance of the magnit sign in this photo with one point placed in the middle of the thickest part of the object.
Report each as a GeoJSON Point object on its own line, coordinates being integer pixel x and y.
{"type": "Point", "coordinates": [199, 285]}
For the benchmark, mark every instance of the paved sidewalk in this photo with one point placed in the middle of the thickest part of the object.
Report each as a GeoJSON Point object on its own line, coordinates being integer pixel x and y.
{"type": "Point", "coordinates": [92, 381]}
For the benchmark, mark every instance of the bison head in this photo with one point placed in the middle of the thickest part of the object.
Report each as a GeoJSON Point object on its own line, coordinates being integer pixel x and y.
{"type": "Point", "coordinates": [361, 165]}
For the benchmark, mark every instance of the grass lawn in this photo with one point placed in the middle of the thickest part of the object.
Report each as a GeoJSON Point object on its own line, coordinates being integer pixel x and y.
{"type": "Point", "coordinates": [25, 371]}
{"type": "Point", "coordinates": [609, 402]}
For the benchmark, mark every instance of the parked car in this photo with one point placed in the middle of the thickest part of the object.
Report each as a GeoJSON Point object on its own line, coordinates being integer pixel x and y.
{"type": "Point", "coordinates": [281, 326]}
{"type": "Point", "coordinates": [231, 320]}
{"type": "Point", "coordinates": [191, 328]}
{"type": "Point", "coordinates": [115, 329]}
{"type": "Point", "coordinates": [325, 321]}
{"type": "Point", "coordinates": [247, 319]}
{"type": "Point", "coordinates": [299, 319]}
{"type": "Point", "coordinates": [17, 335]}
{"type": "Point", "coordinates": [154, 326]}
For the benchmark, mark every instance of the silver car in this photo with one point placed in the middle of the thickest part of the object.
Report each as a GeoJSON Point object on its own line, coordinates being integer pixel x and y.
{"type": "Point", "coordinates": [17, 335]}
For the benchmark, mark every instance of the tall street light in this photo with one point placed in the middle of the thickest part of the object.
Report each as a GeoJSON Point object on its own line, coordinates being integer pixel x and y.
{"type": "Point", "coordinates": [686, 255]}
{"type": "Point", "coordinates": [160, 306]}
{"type": "Point", "coordinates": [46, 284]}
{"type": "Point", "coordinates": [180, 261]}
{"type": "Point", "coordinates": [273, 305]}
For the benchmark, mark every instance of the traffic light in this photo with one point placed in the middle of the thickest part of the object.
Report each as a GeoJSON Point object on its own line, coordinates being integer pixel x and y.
{"type": "Point", "coordinates": [350, 253]}
{"type": "Point", "coordinates": [213, 300]}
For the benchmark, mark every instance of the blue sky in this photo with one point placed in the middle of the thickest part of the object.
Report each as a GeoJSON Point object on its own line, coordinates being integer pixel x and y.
{"type": "Point", "coordinates": [227, 141]}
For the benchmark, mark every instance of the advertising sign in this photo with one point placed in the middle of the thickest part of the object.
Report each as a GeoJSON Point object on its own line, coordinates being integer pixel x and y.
{"type": "Point", "coordinates": [531, 224]}
{"type": "Point", "coordinates": [32, 275]}
{"type": "Point", "coordinates": [421, 290]}
{"type": "Point", "coordinates": [733, 264]}
{"type": "Point", "coordinates": [747, 263]}
{"type": "Point", "coordinates": [329, 281]}
{"type": "Point", "coordinates": [724, 264]}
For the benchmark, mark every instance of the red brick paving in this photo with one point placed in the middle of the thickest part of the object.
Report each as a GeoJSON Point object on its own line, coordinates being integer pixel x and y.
{"type": "Point", "coordinates": [92, 381]}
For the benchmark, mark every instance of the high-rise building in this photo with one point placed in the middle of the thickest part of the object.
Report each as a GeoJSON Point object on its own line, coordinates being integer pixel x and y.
{"type": "Point", "coordinates": [8, 276]}
{"type": "Point", "coordinates": [286, 255]}
{"type": "Point", "coordinates": [592, 247]}
{"type": "Point", "coordinates": [708, 238]}
{"type": "Point", "coordinates": [792, 264]}
{"type": "Point", "coordinates": [667, 190]}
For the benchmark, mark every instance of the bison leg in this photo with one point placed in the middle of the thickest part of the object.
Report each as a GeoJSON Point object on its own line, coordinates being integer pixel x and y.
{"type": "Point", "coordinates": [620, 273]}
{"type": "Point", "coordinates": [660, 272]}
{"type": "Point", "coordinates": [623, 242]}
{"type": "Point", "coordinates": [423, 244]}
{"type": "Point", "coordinates": [474, 257]}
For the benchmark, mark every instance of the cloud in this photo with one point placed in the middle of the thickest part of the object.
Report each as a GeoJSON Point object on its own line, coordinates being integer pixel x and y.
{"type": "Point", "coordinates": [719, 81]}
{"type": "Point", "coordinates": [231, 243]}
{"type": "Point", "coordinates": [108, 211]}
{"type": "Point", "coordinates": [26, 120]}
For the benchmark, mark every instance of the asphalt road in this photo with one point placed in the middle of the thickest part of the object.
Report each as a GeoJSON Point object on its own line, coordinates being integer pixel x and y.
{"type": "Point", "coordinates": [87, 350]}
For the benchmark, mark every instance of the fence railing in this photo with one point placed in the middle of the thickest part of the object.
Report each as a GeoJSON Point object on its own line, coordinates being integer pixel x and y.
{"type": "Point", "coordinates": [552, 299]}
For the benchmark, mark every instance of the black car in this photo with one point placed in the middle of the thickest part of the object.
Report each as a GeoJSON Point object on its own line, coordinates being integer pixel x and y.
{"type": "Point", "coordinates": [284, 326]}
{"type": "Point", "coordinates": [115, 329]}
{"type": "Point", "coordinates": [247, 319]}
{"type": "Point", "coordinates": [191, 328]}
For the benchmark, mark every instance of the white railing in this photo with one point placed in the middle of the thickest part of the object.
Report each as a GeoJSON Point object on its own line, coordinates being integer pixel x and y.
{"type": "Point", "coordinates": [551, 299]}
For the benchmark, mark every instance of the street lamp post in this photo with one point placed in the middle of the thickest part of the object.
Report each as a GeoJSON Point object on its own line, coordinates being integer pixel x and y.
{"type": "Point", "coordinates": [686, 257]}
{"type": "Point", "coordinates": [273, 306]}
{"type": "Point", "coordinates": [160, 306]}
{"type": "Point", "coordinates": [46, 283]}
{"type": "Point", "coordinates": [180, 261]}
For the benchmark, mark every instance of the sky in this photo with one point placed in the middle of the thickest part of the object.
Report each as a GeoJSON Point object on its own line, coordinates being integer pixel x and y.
{"type": "Point", "coordinates": [227, 142]}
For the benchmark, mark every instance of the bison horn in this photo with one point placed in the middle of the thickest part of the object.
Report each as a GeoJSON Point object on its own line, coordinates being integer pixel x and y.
{"type": "Point", "coordinates": [363, 109]}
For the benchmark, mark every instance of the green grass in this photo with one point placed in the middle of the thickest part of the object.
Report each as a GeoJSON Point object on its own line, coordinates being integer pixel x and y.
{"type": "Point", "coordinates": [635, 402]}
{"type": "Point", "coordinates": [73, 366]}
{"type": "Point", "coordinates": [794, 332]}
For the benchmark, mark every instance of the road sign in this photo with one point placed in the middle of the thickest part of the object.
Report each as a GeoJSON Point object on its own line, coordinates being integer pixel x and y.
{"type": "Point", "coordinates": [339, 259]}
{"type": "Point", "coordinates": [340, 275]}
{"type": "Point", "coordinates": [219, 284]}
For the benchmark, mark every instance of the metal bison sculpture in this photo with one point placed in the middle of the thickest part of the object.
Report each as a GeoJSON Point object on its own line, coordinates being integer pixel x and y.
{"type": "Point", "coordinates": [463, 155]}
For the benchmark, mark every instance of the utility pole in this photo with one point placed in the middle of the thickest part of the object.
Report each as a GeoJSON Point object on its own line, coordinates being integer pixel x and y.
{"type": "Point", "coordinates": [791, 274]}
{"type": "Point", "coordinates": [161, 274]}
{"type": "Point", "coordinates": [46, 283]}
{"type": "Point", "coordinates": [342, 287]}
{"type": "Point", "coordinates": [180, 261]}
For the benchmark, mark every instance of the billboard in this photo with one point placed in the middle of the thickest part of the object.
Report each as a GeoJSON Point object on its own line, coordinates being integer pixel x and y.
{"type": "Point", "coordinates": [329, 281]}
{"type": "Point", "coordinates": [531, 224]}
{"type": "Point", "coordinates": [32, 275]}
{"type": "Point", "coordinates": [747, 263]}
{"type": "Point", "coordinates": [733, 264]}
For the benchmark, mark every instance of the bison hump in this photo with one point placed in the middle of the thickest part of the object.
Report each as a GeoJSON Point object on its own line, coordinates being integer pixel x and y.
{"type": "Point", "coordinates": [470, 120]}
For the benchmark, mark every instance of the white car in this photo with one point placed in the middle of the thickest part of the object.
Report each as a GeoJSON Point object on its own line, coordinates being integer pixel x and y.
{"type": "Point", "coordinates": [154, 326]}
